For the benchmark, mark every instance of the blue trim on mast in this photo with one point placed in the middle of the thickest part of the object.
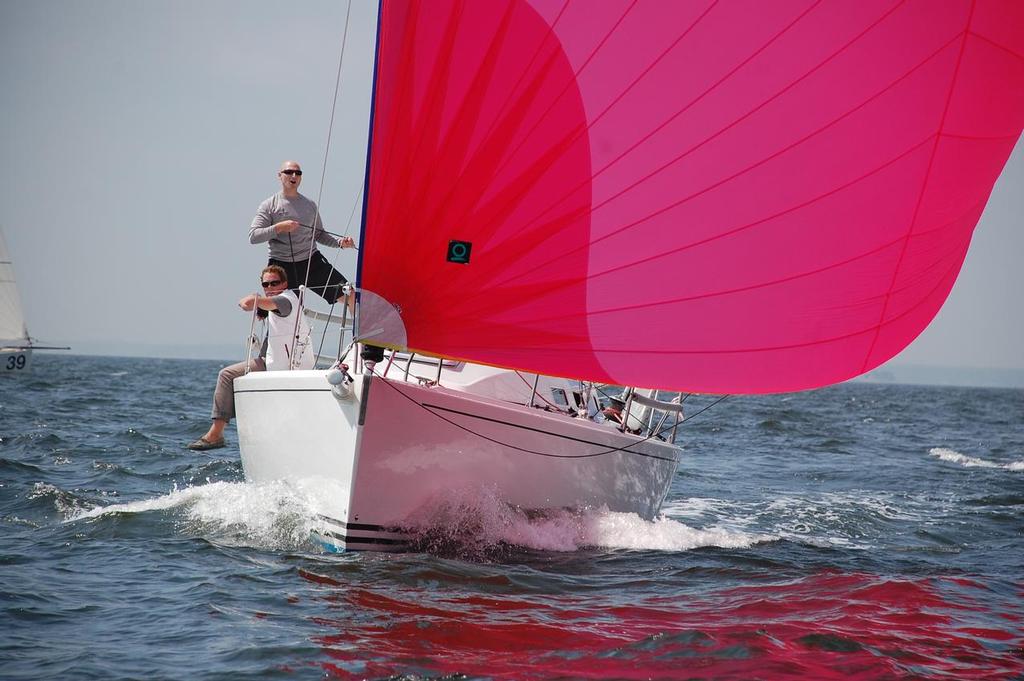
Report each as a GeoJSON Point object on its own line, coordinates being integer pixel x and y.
{"type": "Point", "coordinates": [369, 146]}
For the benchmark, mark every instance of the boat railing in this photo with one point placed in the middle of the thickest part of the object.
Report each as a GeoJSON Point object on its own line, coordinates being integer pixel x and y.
{"type": "Point", "coordinates": [318, 316]}
{"type": "Point", "coordinates": [673, 407]}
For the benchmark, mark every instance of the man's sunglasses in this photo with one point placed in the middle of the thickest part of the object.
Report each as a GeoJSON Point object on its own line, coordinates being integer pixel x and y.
{"type": "Point", "coordinates": [268, 284]}
{"type": "Point", "coordinates": [292, 172]}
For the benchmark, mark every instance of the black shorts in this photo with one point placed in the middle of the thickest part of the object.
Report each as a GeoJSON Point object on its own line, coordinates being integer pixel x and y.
{"type": "Point", "coordinates": [324, 280]}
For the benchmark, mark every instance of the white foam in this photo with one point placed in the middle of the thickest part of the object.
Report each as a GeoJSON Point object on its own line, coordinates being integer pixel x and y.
{"type": "Point", "coordinates": [66, 503]}
{"type": "Point", "coordinates": [478, 519]}
{"type": "Point", "coordinates": [273, 515]}
{"type": "Point", "coordinates": [852, 519]}
{"type": "Point", "coordinates": [282, 516]}
{"type": "Point", "coordinates": [972, 462]}
{"type": "Point", "coordinates": [629, 531]}
{"type": "Point", "coordinates": [698, 507]}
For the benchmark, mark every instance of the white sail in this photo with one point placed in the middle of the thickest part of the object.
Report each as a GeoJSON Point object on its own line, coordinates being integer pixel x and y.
{"type": "Point", "coordinates": [12, 322]}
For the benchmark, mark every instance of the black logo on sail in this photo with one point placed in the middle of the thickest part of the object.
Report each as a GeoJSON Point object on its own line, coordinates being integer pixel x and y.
{"type": "Point", "coordinates": [458, 251]}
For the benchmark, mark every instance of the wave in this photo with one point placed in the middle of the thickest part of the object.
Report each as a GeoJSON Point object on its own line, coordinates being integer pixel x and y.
{"type": "Point", "coordinates": [973, 462]}
{"type": "Point", "coordinates": [66, 503]}
{"type": "Point", "coordinates": [853, 519]}
{"type": "Point", "coordinates": [472, 522]}
{"type": "Point", "coordinates": [283, 516]}
{"type": "Point", "coordinates": [273, 515]}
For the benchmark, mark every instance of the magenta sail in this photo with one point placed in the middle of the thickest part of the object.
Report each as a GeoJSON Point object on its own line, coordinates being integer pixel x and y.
{"type": "Point", "coordinates": [729, 197]}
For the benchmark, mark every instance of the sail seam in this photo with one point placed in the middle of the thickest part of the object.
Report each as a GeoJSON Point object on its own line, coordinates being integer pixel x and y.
{"type": "Point", "coordinates": [787, 211]}
{"type": "Point", "coordinates": [750, 167]}
{"type": "Point", "coordinates": [741, 228]}
{"type": "Point", "coordinates": [724, 78]}
{"type": "Point", "coordinates": [735, 175]}
{"type": "Point", "coordinates": [768, 284]}
{"type": "Point", "coordinates": [678, 113]}
{"type": "Point", "coordinates": [978, 138]}
{"type": "Point", "coordinates": [920, 196]}
{"type": "Point", "coordinates": [576, 75]}
{"type": "Point", "coordinates": [773, 348]}
{"type": "Point", "coordinates": [514, 90]}
{"type": "Point", "coordinates": [428, 124]}
{"type": "Point", "coordinates": [993, 43]}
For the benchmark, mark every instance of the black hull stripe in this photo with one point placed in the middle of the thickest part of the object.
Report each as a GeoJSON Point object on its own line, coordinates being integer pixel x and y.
{"type": "Point", "coordinates": [361, 527]}
{"type": "Point", "coordinates": [365, 540]}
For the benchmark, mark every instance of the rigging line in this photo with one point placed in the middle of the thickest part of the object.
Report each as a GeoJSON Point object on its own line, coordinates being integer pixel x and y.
{"type": "Point", "coordinates": [334, 261]}
{"type": "Point", "coordinates": [924, 186]}
{"type": "Point", "coordinates": [510, 446]}
{"type": "Point", "coordinates": [537, 394]}
{"type": "Point", "coordinates": [698, 413]}
{"type": "Point", "coordinates": [323, 174]}
{"type": "Point", "coordinates": [735, 175]}
{"type": "Point", "coordinates": [330, 131]}
{"type": "Point", "coordinates": [352, 213]}
{"type": "Point", "coordinates": [665, 428]}
{"type": "Point", "coordinates": [327, 231]}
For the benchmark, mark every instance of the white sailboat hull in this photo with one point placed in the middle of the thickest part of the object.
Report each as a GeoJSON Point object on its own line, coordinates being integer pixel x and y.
{"type": "Point", "coordinates": [396, 449]}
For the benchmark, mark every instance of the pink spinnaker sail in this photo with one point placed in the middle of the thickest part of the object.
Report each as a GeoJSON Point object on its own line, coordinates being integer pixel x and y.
{"type": "Point", "coordinates": [718, 196]}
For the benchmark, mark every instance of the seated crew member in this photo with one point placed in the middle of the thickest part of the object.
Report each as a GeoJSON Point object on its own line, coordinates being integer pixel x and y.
{"type": "Point", "coordinates": [285, 347]}
{"type": "Point", "coordinates": [613, 412]}
{"type": "Point", "coordinates": [290, 223]}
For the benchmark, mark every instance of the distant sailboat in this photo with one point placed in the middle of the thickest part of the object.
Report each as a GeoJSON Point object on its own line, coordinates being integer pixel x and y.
{"type": "Point", "coordinates": [15, 344]}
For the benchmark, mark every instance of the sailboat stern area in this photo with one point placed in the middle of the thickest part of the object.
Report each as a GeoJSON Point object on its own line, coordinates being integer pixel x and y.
{"type": "Point", "coordinates": [383, 462]}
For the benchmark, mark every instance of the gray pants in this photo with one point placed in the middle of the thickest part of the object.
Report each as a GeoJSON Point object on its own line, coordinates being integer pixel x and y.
{"type": "Point", "coordinates": [224, 395]}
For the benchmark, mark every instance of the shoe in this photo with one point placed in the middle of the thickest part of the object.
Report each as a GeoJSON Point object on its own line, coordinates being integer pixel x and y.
{"type": "Point", "coordinates": [202, 444]}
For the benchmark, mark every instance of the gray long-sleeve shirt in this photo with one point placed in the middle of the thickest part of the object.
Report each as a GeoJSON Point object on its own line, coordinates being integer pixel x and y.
{"type": "Point", "coordinates": [294, 246]}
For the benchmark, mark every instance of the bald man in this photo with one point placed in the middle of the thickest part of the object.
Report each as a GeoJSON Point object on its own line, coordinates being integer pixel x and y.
{"type": "Point", "coordinates": [289, 223]}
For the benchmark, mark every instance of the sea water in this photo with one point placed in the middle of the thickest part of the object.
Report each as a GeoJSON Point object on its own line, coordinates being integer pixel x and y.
{"type": "Point", "coordinates": [857, 532]}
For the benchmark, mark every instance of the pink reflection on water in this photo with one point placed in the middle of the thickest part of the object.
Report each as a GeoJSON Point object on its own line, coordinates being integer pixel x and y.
{"type": "Point", "coordinates": [827, 626]}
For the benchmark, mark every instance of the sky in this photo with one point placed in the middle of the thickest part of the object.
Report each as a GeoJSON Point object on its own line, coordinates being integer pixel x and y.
{"type": "Point", "coordinates": [138, 138]}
